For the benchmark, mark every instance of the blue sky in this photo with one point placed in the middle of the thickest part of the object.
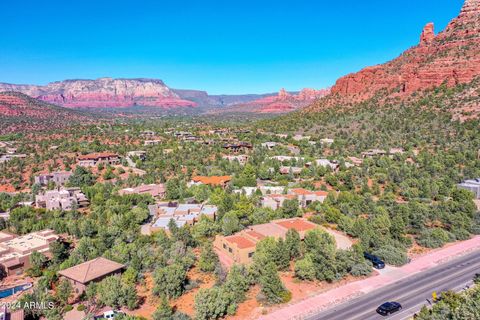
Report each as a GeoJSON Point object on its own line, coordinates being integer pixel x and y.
{"type": "Point", "coordinates": [224, 46]}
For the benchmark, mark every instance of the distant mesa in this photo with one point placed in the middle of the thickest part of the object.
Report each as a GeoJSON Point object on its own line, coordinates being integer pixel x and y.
{"type": "Point", "coordinates": [104, 93]}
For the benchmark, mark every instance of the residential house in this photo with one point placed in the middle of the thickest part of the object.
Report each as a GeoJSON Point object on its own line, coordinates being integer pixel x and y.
{"type": "Point", "coordinates": [7, 314]}
{"type": "Point", "coordinates": [326, 141]}
{"type": "Point", "coordinates": [237, 147]}
{"type": "Point", "coordinates": [355, 161]}
{"type": "Point", "coordinates": [299, 137]}
{"type": "Point", "coordinates": [286, 158]}
{"type": "Point", "coordinates": [152, 142]}
{"type": "Point", "coordinates": [303, 196]}
{"type": "Point", "coordinates": [275, 201]}
{"type": "Point", "coordinates": [61, 199]}
{"type": "Point", "coordinates": [93, 159]}
{"type": "Point", "coordinates": [306, 197]}
{"type": "Point", "coordinates": [142, 155]}
{"type": "Point", "coordinates": [242, 158]}
{"type": "Point", "coordinates": [15, 250]}
{"type": "Point", "coordinates": [155, 190]}
{"type": "Point", "coordinates": [241, 246]}
{"type": "Point", "coordinates": [81, 275]}
{"type": "Point", "coordinates": [8, 157]}
{"type": "Point", "coordinates": [373, 153]}
{"type": "Point", "coordinates": [327, 163]}
{"type": "Point", "coordinates": [148, 134]}
{"type": "Point", "coordinates": [214, 181]}
{"type": "Point", "coordinates": [181, 214]}
{"type": "Point", "coordinates": [265, 190]}
{"type": "Point", "coordinates": [471, 185]}
{"type": "Point", "coordinates": [270, 145]}
{"type": "Point", "coordinates": [293, 149]}
{"type": "Point", "coordinates": [293, 170]}
{"type": "Point", "coordinates": [59, 178]}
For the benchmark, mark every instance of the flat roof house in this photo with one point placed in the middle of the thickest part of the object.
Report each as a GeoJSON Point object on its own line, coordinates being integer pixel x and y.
{"type": "Point", "coordinates": [182, 214]}
{"type": "Point", "coordinates": [61, 199]}
{"type": "Point", "coordinates": [287, 170]}
{"type": "Point", "coordinates": [91, 271]}
{"type": "Point", "coordinates": [93, 159]}
{"type": "Point", "coordinates": [155, 190]}
{"type": "Point", "coordinates": [472, 185]}
{"type": "Point", "coordinates": [242, 159]}
{"type": "Point", "coordinates": [59, 178]}
{"type": "Point", "coordinates": [241, 246]}
{"type": "Point", "coordinates": [152, 142]}
{"type": "Point", "coordinates": [15, 250]}
{"type": "Point", "coordinates": [306, 197]}
{"type": "Point", "coordinates": [275, 201]}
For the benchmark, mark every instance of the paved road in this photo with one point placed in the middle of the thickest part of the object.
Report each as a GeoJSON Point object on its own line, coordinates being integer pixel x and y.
{"type": "Point", "coordinates": [411, 292]}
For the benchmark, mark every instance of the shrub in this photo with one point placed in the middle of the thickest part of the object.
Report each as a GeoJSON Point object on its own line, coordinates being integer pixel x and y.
{"type": "Point", "coordinates": [392, 255]}
{"type": "Point", "coordinates": [213, 303]}
{"type": "Point", "coordinates": [433, 238]}
{"type": "Point", "coordinates": [305, 269]}
{"type": "Point", "coordinates": [361, 269]}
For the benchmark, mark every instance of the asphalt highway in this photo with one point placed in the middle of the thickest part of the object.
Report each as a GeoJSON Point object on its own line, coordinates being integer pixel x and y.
{"type": "Point", "coordinates": [412, 292]}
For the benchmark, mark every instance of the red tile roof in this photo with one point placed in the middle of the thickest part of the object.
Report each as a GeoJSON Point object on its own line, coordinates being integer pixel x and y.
{"type": "Point", "coordinates": [255, 234]}
{"type": "Point", "coordinates": [91, 270]}
{"type": "Point", "coordinates": [297, 224]}
{"type": "Point", "coordinates": [214, 180]}
{"type": "Point", "coordinates": [241, 242]}
{"type": "Point", "coordinates": [301, 191]}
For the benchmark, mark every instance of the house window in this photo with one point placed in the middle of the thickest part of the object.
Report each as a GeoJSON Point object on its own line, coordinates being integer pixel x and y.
{"type": "Point", "coordinates": [230, 250]}
{"type": "Point", "coordinates": [250, 254]}
{"type": "Point", "coordinates": [224, 246]}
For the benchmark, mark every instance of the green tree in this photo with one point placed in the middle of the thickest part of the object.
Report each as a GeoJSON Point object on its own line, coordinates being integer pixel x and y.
{"type": "Point", "coordinates": [64, 292]}
{"type": "Point", "coordinates": [272, 287]}
{"type": "Point", "coordinates": [208, 258]}
{"type": "Point", "coordinates": [305, 269]}
{"type": "Point", "coordinates": [164, 311]}
{"type": "Point", "coordinates": [230, 223]}
{"type": "Point", "coordinates": [170, 281]}
{"type": "Point", "coordinates": [37, 263]}
{"type": "Point", "coordinates": [293, 244]}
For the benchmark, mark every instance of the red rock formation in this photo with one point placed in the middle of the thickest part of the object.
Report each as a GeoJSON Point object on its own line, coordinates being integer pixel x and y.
{"type": "Point", "coordinates": [428, 34]}
{"type": "Point", "coordinates": [104, 92]}
{"type": "Point", "coordinates": [281, 103]}
{"type": "Point", "coordinates": [451, 57]}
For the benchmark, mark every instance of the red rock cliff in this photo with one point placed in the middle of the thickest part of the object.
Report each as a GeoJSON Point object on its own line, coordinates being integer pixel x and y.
{"type": "Point", "coordinates": [452, 57]}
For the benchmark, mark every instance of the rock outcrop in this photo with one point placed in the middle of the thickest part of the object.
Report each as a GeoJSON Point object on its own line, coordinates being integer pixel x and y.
{"type": "Point", "coordinates": [104, 92]}
{"type": "Point", "coordinates": [428, 34]}
{"type": "Point", "coordinates": [451, 57]}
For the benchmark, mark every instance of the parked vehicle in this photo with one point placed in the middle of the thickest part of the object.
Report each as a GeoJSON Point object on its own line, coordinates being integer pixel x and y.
{"type": "Point", "coordinates": [376, 261]}
{"type": "Point", "coordinates": [388, 308]}
{"type": "Point", "coordinates": [109, 315]}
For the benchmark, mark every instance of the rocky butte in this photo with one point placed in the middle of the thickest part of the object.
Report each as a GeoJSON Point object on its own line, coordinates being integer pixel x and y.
{"type": "Point", "coordinates": [104, 92]}
{"type": "Point", "coordinates": [451, 57]}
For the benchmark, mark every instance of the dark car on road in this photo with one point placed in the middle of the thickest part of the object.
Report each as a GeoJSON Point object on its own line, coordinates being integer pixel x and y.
{"type": "Point", "coordinates": [388, 308]}
{"type": "Point", "coordinates": [376, 261]}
